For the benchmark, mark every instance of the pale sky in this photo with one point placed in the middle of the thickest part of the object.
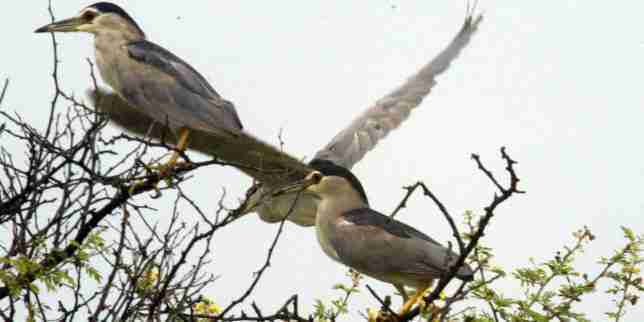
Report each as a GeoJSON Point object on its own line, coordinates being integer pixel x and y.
{"type": "Point", "coordinates": [557, 82]}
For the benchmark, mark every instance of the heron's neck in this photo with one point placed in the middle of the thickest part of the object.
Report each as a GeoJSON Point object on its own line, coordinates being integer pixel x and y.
{"type": "Point", "coordinates": [330, 208]}
{"type": "Point", "coordinates": [112, 56]}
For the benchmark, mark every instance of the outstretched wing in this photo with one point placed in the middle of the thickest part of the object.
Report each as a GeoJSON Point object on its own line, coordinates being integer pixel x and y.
{"type": "Point", "coordinates": [351, 144]}
{"type": "Point", "coordinates": [261, 160]}
{"type": "Point", "coordinates": [169, 90]}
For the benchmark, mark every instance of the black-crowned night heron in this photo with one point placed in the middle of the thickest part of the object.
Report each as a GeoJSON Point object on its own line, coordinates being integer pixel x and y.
{"type": "Point", "coordinates": [344, 151]}
{"type": "Point", "coordinates": [374, 244]}
{"type": "Point", "coordinates": [159, 84]}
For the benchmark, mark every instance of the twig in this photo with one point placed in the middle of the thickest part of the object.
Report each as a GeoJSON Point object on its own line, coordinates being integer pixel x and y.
{"type": "Point", "coordinates": [410, 190]}
{"type": "Point", "coordinates": [403, 203]}
{"type": "Point", "coordinates": [54, 73]}
{"type": "Point", "coordinates": [489, 213]}
{"type": "Point", "coordinates": [4, 89]}
{"type": "Point", "coordinates": [383, 304]}
{"type": "Point", "coordinates": [267, 262]}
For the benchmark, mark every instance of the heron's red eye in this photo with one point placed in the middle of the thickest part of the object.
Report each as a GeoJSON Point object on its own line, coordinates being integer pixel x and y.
{"type": "Point", "coordinates": [317, 177]}
{"type": "Point", "coordinates": [89, 15]}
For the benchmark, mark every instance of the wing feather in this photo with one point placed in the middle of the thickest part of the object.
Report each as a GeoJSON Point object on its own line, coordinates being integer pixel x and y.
{"type": "Point", "coordinates": [172, 89]}
{"type": "Point", "coordinates": [346, 149]}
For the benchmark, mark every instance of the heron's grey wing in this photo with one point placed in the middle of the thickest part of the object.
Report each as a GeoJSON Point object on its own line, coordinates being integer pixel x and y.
{"type": "Point", "coordinates": [370, 217]}
{"type": "Point", "coordinates": [262, 161]}
{"type": "Point", "coordinates": [379, 244]}
{"type": "Point", "coordinates": [351, 144]}
{"type": "Point", "coordinates": [170, 90]}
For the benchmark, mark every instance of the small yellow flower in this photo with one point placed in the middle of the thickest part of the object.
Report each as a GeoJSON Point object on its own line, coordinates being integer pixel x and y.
{"type": "Point", "coordinates": [632, 269]}
{"type": "Point", "coordinates": [152, 275]}
{"type": "Point", "coordinates": [200, 307]}
{"type": "Point", "coordinates": [214, 308]}
{"type": "Point", "coordinates": [148, 279]}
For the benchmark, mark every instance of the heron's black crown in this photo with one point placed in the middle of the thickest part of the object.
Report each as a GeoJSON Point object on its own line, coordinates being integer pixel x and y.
{"type": "Point", "coordinates": [329, 168]}
{"type": "Point", "coordinates": [108, 7]}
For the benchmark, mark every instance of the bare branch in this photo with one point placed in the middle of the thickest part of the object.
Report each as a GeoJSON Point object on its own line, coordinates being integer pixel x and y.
{"type": "Point", "coordinates": [489, 213]}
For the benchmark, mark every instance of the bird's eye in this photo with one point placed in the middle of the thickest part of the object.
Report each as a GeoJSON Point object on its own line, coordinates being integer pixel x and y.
{"type": "Point", "coordinates": [89, 15]}
{"type": "Point", "coordinates": [317, 177]}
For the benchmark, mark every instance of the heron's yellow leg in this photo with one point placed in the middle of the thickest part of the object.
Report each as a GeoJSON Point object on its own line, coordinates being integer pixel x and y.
{"type": "Point", "coordinates": [182, 144]}
{"type": "Point", "coordinates": [164, 169]}
{"type": "Point", "coordinates": [414, 299]}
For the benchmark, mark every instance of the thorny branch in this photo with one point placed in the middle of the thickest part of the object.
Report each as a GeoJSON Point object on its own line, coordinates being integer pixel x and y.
{"type": "Point", "coordinates": [410, 190]}
{"type": "Point", "coordinates": [75, 170]}
{"type": "Point", "coordinates": [58, 209]}
{"type": "Point", "coordinates": [497, 200]}
{"type": "Point", "coordinates": [267, 262]}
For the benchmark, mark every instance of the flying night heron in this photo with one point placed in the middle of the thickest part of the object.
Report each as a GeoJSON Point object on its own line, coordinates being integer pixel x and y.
{"type": "Point", "coordinates": [374, 244]}
{"type": "Point", "coordinates": [347, 148]}
{"type": "Point", "coordinates": [157, 83]}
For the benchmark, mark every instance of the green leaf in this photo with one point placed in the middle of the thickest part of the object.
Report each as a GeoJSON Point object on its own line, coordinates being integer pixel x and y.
{"type": "Point", "coordinates": [628, 233]}
{"type": "Point", "coordinates": [93, 273]}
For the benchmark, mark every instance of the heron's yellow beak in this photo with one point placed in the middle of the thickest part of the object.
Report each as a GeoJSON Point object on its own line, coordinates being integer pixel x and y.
{"type": "Point", "coordinates": [67, 25]}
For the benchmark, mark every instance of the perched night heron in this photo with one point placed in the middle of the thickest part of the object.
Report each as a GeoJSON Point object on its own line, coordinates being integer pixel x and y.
{"type": "Point", "coordinates": [347, 148]}
{"type": "Point", "coordinates": [157, 83]}
{"type": "Point", "coordinates": [374, 244]}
